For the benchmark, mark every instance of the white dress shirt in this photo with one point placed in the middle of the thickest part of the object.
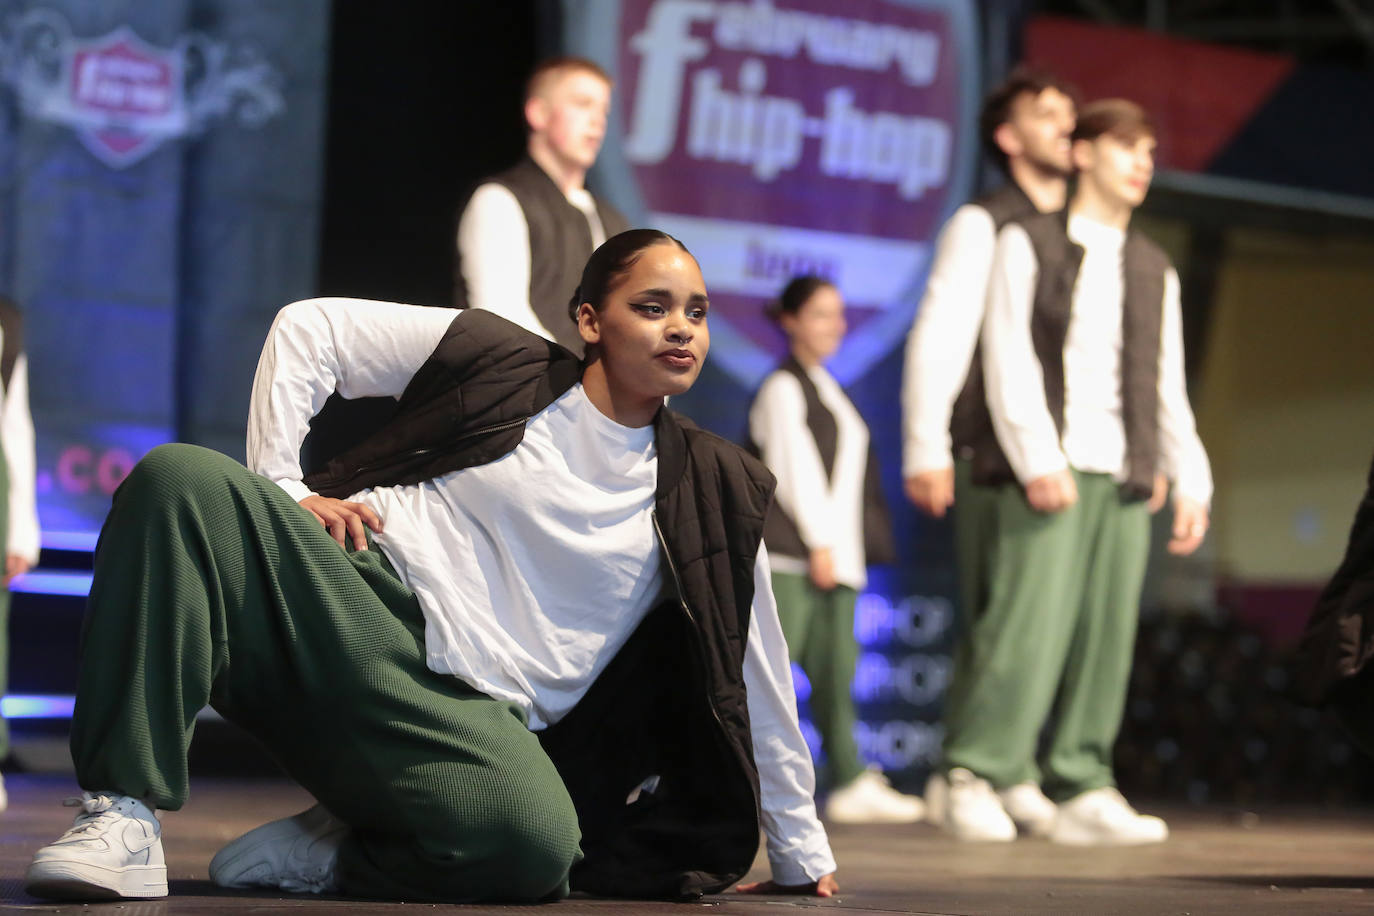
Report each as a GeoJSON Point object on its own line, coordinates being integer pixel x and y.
{"type": "Point", "coordinates": [1094, 437]}
{"type": "Point", "coordinates": [494, 252]}
{"type": "Point", "coordinates": [828, 511]}
{"type": "Point", "coordinates": [16, 433]}
{"type": "Point", "coordinates": [534, 569]}
{"type": "Point", "coordinates": [941, 343]}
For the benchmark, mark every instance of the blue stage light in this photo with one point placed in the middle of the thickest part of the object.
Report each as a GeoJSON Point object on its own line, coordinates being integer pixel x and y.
{"type": "Point", "coordinates": [37, 707]}
{"type": "Point", "coordinates": [53, 583]}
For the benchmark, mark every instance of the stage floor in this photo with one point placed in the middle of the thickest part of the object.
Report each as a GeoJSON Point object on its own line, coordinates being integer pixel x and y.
{"type": "Point", "coordinates": [1284, 860]}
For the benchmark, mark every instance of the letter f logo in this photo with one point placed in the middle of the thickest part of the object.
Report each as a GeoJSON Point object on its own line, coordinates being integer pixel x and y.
{"type": "Point", "coordinates": [664, 47]}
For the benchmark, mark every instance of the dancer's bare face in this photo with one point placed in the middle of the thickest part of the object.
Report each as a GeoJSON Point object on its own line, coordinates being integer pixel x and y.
{"type": "Point", "coordinates": [817, 328]}
{"type": "Point", "coordinates": [1038, 130]}
{"type": "Point", "coordinates": [651, 333]}
{"type": "Point", "coordinates": [1119, 168]}
{"type": "Point", "coordinates": [570, 114]}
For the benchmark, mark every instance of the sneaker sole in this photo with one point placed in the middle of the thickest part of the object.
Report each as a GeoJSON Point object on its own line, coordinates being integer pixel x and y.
{"type": "Point", "coordinates": [83, 881]}
{"type": "Point", "coordinates": [1064, 838]}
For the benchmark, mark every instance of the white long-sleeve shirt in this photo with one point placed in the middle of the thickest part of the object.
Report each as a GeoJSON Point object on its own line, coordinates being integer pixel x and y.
{"type": "Point", "coordinates": [494, 252]}
{"type": "Point", "coordinates": [16, 434]}
{"type": "Point", "coordinates": [941, 343]}
{"type": "Point", "coordinates": [1094, 436]}
{"type": "Point", "coordinates": [534, 569]}
{"type": "Point", "coordinates": [828, 511]}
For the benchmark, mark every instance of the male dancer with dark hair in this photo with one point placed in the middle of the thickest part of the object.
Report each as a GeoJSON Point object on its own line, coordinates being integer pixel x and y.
{"type": "Point", "coordinates": [1083, 365]}
{"type": "Point", "coordinates": [525, 233]}
{"type": "Point", "coordinates": [1025, 125]}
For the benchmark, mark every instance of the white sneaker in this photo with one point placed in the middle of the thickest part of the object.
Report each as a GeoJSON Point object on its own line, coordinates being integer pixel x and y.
{"type": "Point", "coordinates": [974, 811]}
{"type": "Point", "coordinates": [1101, 817]}
{"type": "Point", "coordinates": [1029, 809]}
{"type": "Point", "coordinates": [937, 798]}
{"type": "Point", "coordinates": [295, 854]}
{"type": "Point", "coordinates": [870, 799]}
{"type": "Point", "coordinates": [113, 850]}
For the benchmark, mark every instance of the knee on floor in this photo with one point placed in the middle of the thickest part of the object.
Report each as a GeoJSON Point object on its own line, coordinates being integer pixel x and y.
{"type": "Point", "coordinates": [523, 853]}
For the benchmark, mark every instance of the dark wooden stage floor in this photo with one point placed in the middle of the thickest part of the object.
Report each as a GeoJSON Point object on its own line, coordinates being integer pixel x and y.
{"type": "Point", "coordinates": [1218, 861]}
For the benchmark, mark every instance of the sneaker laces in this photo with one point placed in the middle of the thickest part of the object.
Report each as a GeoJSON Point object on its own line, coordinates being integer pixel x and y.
{"type": "Point", "coordinates": [97, 811]}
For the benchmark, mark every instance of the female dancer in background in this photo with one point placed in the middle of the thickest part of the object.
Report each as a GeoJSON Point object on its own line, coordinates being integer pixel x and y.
{"type": "Point", "coordinates": [827, 522]}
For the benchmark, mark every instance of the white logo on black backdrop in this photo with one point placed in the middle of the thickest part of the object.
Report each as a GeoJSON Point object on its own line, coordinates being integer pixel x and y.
{"type": "Point", "coordinates": [124, 97]}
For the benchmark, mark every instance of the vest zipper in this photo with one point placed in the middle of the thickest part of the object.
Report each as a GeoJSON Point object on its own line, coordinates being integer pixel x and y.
{"type": "Point", "coordinates": [696, 642]}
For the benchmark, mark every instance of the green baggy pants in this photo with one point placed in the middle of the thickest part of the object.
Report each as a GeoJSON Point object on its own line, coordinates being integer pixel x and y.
{"type": "Point", "coordinates": [819, 629]}
{"type": "Point", "coordinates": [1056, 631]}
{"type": "Point", "coordinates": [214, 586]}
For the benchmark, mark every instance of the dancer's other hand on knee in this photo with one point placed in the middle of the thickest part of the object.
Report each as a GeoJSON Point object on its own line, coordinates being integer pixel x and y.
{"type": "Point", "coordinates": [343, 519]}
{"type": "Point", "coordinates": [1052, 492]}
{"type": "Point", "coordinates": [825, 887]}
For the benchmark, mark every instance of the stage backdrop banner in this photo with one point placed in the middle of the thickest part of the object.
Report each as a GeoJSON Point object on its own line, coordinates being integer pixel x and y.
{"type": "Point", "coordinates": [802, 136]}
{"type": "Point", "coordinates": [159, 197]}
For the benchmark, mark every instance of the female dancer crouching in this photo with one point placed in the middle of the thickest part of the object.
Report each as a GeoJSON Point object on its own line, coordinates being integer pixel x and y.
{"type": "Point", "coordinates": [562, 669]}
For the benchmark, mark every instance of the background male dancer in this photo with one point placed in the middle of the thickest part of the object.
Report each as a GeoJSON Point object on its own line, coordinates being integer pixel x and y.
{"type": "Point", "coordinates": [1083, 363]}
{"type": "Point", "coordinates": [525, 233]}
{"type": "Point", "coordinates": [1025, 125]}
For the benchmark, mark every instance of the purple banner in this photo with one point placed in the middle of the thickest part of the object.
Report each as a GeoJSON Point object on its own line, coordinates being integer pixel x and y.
{"type": "Point", "coordinates": [776, 138]}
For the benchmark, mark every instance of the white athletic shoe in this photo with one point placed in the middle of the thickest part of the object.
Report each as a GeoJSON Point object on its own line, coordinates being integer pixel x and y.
{"type": "Point", "coordinates": [937, 798]}
{"type": "Point", "coordinates": [113, 850]}
{"type": "Point", "coordinates": [1029, 809]}
{"type": "Point", "coordinates": [974, 811]}
{"type": "Point", "coordinates": [295, 854]}
{"type": "Point", "coordinates": [870, 799]}
{"type": "Point", "coordinates": [1101, 817]}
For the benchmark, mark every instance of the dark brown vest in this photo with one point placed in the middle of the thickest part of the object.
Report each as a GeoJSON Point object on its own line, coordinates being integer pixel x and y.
{"type": "Point", "coordinates": [560, 243]}
{"type": "Point", "coordinates": [969, 421]}
{"type": "Point", "coordinates": [1144, 265]}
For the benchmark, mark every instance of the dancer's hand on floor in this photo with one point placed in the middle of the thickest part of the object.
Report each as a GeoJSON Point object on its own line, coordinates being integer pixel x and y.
{"type": "Point", "coordinates": [344, 519]}
{"type": "Point", "coordinates": [825, 887]}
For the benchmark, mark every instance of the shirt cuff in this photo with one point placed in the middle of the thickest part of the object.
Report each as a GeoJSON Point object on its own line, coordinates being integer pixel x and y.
{"type": "Point", "coordinates": [1035, 465]}
{"type": "Point", "coordinates": [1196, 490]}
{"type": "Point", "coordinates": [296, 489]}
{"type": "Point", "coordinates": [917, 458]}
{"type": "Point", "coordinates": [805, 863]}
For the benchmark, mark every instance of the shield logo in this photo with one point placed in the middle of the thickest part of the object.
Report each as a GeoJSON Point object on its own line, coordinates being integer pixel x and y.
{"type": "Point", "coordinates": [779, 137]}
{"type": "Point", "coordinates": [124, 96]}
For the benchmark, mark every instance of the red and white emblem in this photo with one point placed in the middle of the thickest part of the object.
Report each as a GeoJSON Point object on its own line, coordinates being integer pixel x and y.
{"type": "Point", "coordinates": [125, 96]}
